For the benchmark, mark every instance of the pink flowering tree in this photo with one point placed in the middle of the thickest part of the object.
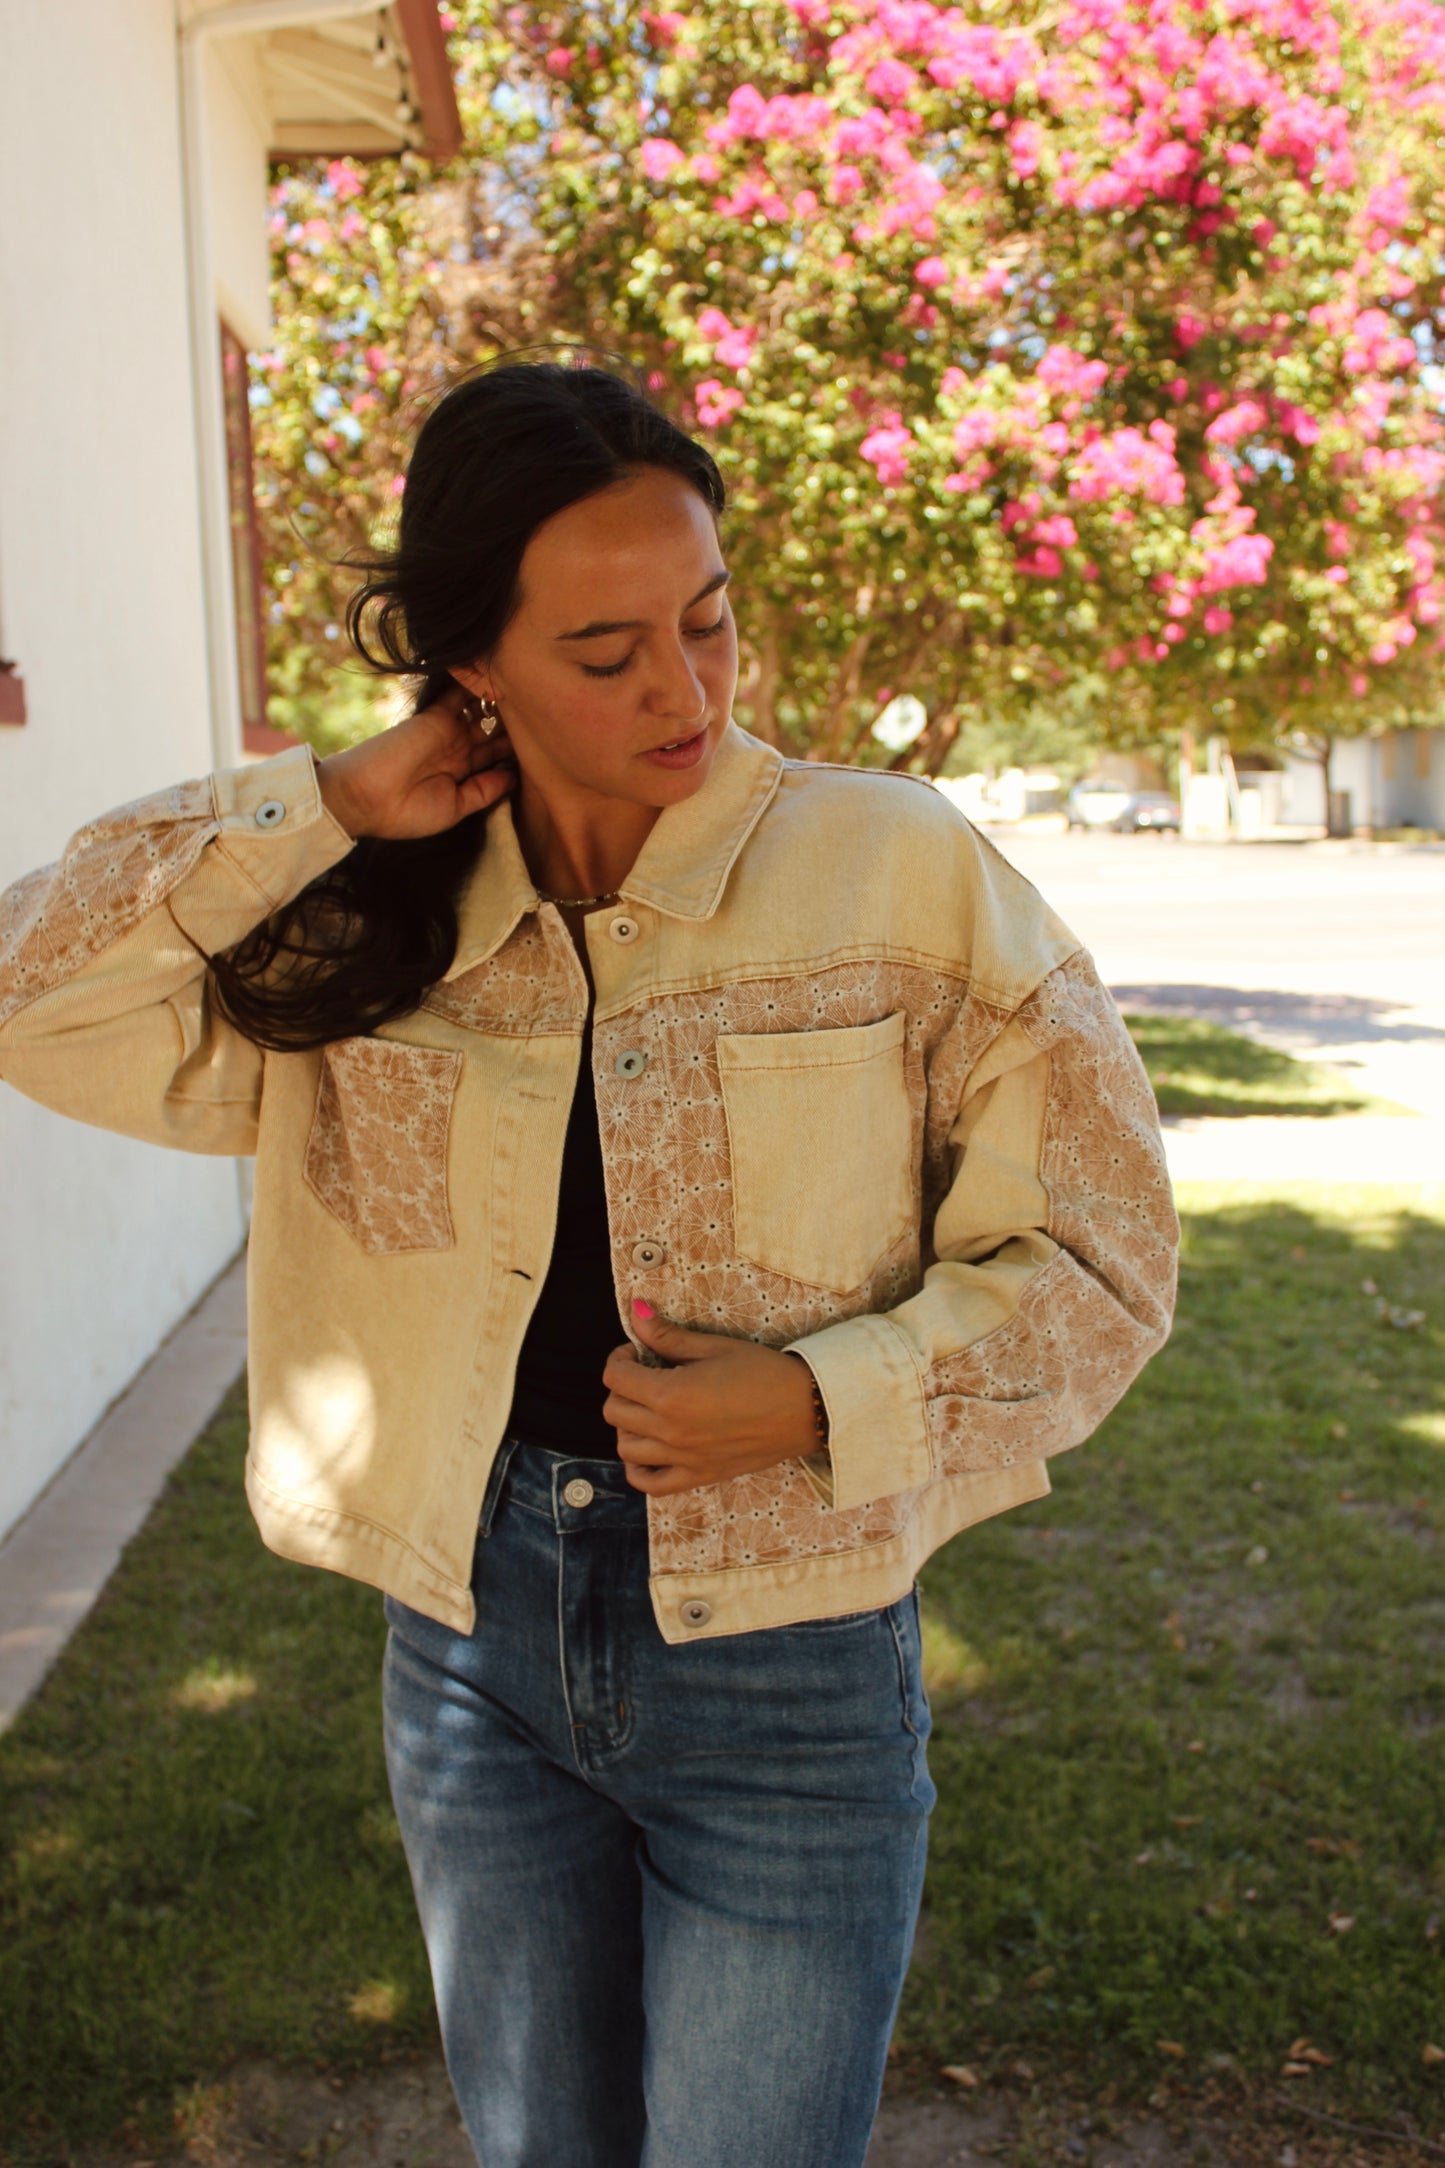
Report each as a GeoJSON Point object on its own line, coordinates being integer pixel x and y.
{"type": "Point", "coordinates": [1092, 341]}
{"type": "Point", "coordinates": [384, 279]}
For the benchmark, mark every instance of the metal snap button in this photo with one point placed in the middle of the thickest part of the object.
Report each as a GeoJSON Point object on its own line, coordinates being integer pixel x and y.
{"type": "Point", "coordinates": [632, 1061]}
{"type": "Point", "coordinates": [623, 929]}
{"type": "Point", "coordinates": [578, 1492]}
{"type": "Point", "coordinates": [695, 1612]}
{"type": "Point", "coordinates": [269, 814]}
{"type": "Point", "coordinates": [645, 1255]}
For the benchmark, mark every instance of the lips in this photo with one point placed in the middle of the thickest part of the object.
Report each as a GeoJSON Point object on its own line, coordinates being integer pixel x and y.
{"type": "Point", "coordinates": [679, 752]}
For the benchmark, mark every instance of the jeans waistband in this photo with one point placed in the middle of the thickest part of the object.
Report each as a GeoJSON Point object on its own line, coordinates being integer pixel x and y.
{"type": "Point", "coordinates": [572, 1490]}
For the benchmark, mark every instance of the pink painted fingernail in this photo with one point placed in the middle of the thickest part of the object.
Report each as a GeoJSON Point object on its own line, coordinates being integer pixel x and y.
{"type": "Point", "coordinates": [641, 1308]}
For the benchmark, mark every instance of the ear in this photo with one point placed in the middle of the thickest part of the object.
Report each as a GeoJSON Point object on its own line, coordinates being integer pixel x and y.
{"type": "Point", "coordinates": [474, 679]}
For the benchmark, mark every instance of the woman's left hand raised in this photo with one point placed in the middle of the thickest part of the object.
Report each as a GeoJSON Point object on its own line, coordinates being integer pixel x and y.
{"type": "Point", "coordinates": [722, 1407]}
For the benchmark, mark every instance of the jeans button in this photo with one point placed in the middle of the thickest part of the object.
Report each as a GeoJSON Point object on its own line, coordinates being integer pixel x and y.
{"type": "Point", "coordinates": [631, 1061]}
{"type": "Point", "coordinates": [271, 814]}
{"type": "Point", "coordinates": [647, 1255]}
{"type": "Point", "coordinates": [578, 1492]}
{"type": "Point", "coordinates": [695, 1612]}
{"type": "Point", "coordinates": [623, 929]}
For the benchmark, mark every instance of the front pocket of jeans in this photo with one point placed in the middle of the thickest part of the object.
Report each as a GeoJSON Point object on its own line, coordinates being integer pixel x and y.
{"type": "Point", "coordinates": [377, 1153]}
{"type": "Point", "coordinates": [821, 1139]}
{"type": "Point", "coordinates": [830, 1625]}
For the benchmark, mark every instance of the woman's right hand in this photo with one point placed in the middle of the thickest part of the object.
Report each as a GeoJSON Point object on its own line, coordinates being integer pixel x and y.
{"type": "Point", "coordinates": [419, 777]}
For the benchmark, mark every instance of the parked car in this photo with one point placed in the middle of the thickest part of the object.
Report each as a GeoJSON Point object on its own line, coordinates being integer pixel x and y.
{"type": "Point", "coordinates": [1126, 812]}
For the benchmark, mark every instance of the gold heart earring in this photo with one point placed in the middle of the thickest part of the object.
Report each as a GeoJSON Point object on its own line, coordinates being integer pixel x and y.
{"type": "Point", "coordinates": [485, 712]}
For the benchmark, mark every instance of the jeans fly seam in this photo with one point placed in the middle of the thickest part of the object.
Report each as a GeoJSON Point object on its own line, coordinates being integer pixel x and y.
{"type": "Point", "coordinates": [582, 1770]}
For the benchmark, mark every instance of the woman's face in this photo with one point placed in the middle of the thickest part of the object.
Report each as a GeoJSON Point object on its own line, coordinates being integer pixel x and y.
{"type": "Point", "coordinates": [615, 678]}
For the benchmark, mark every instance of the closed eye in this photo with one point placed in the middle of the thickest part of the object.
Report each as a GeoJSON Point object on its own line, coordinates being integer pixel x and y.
{"type": "Point", "coordinates": [615, 669]}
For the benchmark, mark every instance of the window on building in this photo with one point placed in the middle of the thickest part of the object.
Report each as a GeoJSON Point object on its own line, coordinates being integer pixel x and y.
{"type": "Point", "coordinates": [12, 688]}
{"type": "Point", "coordinates": [256, 733]}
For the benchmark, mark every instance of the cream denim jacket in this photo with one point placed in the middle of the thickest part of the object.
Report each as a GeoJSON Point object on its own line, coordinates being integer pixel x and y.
{"type": "Point", "coordinates": [861, 1095]}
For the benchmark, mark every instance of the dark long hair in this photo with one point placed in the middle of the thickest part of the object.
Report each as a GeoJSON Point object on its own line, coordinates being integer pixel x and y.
{"type": "Point", "coordinates": [503, 450]}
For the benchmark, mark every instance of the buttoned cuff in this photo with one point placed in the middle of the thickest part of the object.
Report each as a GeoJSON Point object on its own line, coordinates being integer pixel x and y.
{"type": "Point", "coordinates": [276, 838]}
{"type": "Point", "coordinates": [872, 1388]}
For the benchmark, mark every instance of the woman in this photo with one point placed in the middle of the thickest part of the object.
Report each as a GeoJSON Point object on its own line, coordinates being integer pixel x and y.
{"type": "Point", "coordinates": [690, 1186]}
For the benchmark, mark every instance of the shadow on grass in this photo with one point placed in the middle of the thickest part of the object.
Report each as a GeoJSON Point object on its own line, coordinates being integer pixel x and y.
{"type": "Point", "coordinates": [1188, 1711]}
{"type": "Point", "coordinates": [1165, 1762]}
{"type": "Point", "coordinates": [1197, 1067]}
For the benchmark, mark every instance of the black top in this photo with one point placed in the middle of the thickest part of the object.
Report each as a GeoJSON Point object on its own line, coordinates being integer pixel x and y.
{"type": "Point", "coordinates": [558, 1395]}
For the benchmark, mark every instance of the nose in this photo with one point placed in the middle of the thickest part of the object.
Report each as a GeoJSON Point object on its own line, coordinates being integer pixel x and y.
{"type": "Point", "coordinates": [681, 692]}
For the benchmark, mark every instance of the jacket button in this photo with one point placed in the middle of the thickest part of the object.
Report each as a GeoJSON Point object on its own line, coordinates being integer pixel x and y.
{"type": "Point", "coordinates": [270, 814]}
{"type": "Point", "coordinates": [578, 1492]}
{"type": "Point", "coordinates": [695, 1612]}
{"type": "Point", "coordinates": [623, 929]}
{"type": "Point", "coordinates": [632, 1061]}
{"type": "Point", "coordinates": [646, 1255]}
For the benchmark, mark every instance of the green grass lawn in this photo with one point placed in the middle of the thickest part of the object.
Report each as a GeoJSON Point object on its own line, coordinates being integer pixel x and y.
{"type": "Point", "coordinates": [1188, 1726]}
{"type": "Point", "coordinates": [1199, 1068]}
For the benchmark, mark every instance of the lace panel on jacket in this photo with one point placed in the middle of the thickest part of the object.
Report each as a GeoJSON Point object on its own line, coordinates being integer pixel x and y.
{"type": "Point", "coordinates": [377, 1153]}
{"type": "Point", "coordinates": [112, 873]}
{"type": "Point", "coordinates": [1088, 1322]}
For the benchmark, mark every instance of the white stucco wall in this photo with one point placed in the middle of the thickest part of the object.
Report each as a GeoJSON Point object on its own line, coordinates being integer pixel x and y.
{"type": "Point", "coordinates": [1393, 779]}
{"type": "Point", "coordinates": [103, 1243]}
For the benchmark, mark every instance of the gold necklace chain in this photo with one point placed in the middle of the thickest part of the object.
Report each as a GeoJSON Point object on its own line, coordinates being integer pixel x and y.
{"type": "Point", "coordinates": [577, 903]}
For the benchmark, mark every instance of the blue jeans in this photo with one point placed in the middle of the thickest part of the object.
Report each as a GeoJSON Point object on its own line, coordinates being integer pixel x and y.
{"type": "Point", "coordinates": [668, 1893]}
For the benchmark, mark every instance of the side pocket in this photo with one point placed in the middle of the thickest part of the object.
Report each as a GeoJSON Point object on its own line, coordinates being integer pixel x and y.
{"type": "Point", "coordinates": [377, 1153]}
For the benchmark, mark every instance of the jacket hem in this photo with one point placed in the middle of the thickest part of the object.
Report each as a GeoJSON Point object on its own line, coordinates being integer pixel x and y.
{"type": "Point", "coordinates": [744, 1599]}
{"type": "Point", "coordinates": [345, 1543]}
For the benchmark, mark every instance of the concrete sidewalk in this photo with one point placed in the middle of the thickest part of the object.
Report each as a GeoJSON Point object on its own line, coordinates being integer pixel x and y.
{"type": "Point", "coordinates": [57, 1560]}
{"type": "Point", "coordinates": [1345, 1148]}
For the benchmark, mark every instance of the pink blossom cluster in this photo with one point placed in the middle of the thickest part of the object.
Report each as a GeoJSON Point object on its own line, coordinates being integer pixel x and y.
{"type": "Point", "coordinates": [1244, 419]}
{"type": "Point", "coordinates": [754, 192]}
{"type": "Point", "coordinates": [343, 180]}
{"type": "Point", "coordinates": [887, 448]}
{"type": "Point", "coordinates": [732, 344]}
{"type": "Point", "coordinates": [1129, 463]}
{"type": "Point", "coordinates": [1376, 345]}
{"type": "Point", "coordinates": [716, 402]}
{"type": "Point", "coordinates": [752, 118]}
{"type": "Point", "coordinates": [660, 156]}
{"type": "Point", "coordinates": [1071, 377]}
{"type": "Point", "coordinates": [1047, 539]}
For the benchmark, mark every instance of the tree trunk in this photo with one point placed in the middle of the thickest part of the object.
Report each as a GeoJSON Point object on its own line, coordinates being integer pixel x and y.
{"type": "Point", "coordinates": [760, 688]}
{"type": "Point", "coordinates": [832, 740]}
{"type": "Point", "coordinates": [927, 754]}
{"type": "Point", "coordinates": [1337, 816]}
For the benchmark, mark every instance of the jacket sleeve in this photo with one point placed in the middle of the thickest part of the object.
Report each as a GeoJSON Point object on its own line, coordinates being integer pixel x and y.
{"type": "Point", "coordinates": [105, 1007]}
{"type": "Point", "coordinates": [1056, 1250]}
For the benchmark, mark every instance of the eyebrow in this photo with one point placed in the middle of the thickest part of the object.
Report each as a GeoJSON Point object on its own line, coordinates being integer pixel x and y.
{"type": "Point", "coordinates": [636, 624]}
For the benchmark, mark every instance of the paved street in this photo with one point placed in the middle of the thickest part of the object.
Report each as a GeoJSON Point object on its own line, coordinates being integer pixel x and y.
{"type": "Point", "coordinates": [1333, 951]}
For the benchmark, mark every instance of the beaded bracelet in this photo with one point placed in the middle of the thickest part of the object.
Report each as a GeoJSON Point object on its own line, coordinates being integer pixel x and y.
{"type": "Point", "coordinates": [820, 1412]}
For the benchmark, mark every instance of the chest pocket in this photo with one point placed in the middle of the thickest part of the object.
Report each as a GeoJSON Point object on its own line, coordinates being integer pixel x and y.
{"type": "Point", "coordinates": [377, 1152]}
{"type": "Point", "coordinates": [821, 1139]}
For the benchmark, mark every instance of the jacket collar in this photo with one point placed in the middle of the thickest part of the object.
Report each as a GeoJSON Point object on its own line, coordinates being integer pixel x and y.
{"type": "Point", "coordinates": [682, 868]}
